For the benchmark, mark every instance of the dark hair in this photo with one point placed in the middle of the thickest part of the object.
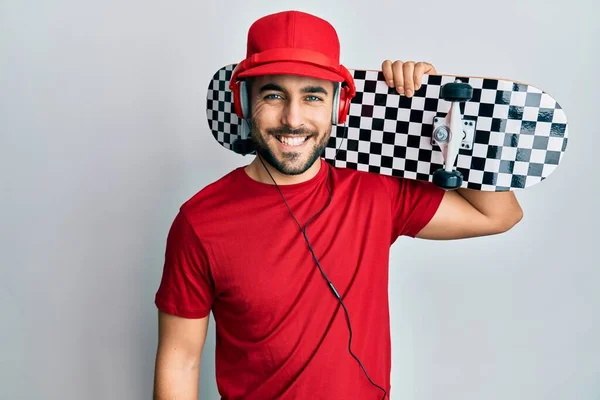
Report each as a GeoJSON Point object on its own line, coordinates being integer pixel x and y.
{"type": "Point", "coordinates": [249, 83]}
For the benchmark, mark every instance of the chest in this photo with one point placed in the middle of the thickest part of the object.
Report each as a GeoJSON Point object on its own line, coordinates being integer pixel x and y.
{"type": "Point", "coordinates": [268, 272]}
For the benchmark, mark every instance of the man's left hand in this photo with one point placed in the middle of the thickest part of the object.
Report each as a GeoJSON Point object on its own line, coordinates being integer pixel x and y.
{"type": "Point", "coordinates": [406, 76]}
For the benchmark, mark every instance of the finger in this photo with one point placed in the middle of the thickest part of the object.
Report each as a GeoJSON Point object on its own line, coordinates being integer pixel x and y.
{"type": "Point", "coordinates": [398, 76]}
{"type": "Point", "coordinates": [409, 84]}
{"type": "Point", "coordinates": [420, 69]}
{"type": "Point", "coordinates": [430, 69]}
{"type": "Point", "coordinates": [388, 74]}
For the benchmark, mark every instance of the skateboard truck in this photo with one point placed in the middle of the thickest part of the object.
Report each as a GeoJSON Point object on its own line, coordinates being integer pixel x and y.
{"type": "Point", "coordinates": [451, 133]}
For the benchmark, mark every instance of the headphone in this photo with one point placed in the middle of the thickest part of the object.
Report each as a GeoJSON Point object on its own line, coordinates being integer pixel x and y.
{"type": "Point", "coordinates": [343, 94]}
{"type": "Point", "coordinates": [329, 283]}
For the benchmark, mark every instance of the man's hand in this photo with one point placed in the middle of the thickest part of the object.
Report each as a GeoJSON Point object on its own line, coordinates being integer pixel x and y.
{"type": "Point", "coordinates": [406, 76]}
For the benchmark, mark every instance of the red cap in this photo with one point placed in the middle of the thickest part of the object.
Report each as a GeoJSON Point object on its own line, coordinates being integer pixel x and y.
{"type": "Point", "coordinates": [295, 43]}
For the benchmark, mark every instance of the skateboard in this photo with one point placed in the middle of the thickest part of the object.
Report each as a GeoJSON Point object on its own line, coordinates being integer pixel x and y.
{"type": "Point", "coordinates": [456, 131]}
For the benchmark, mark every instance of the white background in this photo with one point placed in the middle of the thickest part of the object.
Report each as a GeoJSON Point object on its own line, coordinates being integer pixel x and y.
{"type": "Point", "coordinates": [103, 135]}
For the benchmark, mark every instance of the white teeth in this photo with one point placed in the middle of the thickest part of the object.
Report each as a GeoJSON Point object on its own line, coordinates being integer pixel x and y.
{"type": "Point", "coordinates": [293, 141]}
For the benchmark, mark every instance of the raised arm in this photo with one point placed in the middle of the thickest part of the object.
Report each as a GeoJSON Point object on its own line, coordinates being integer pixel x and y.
{"type": "Point", "coordinates": [178, 357]}
{"type": "Point", "coordinates": [465, 213]}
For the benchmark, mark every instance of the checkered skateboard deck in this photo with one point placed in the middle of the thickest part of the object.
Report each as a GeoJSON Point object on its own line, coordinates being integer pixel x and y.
{"type": "Point", "coordinates": [515, 134]}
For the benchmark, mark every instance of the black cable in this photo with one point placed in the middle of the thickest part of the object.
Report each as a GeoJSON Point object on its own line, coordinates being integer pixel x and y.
{"type": "Point", "coordinates": [333, 289]}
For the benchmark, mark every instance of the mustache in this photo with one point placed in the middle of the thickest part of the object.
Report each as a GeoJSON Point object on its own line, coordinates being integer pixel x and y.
{"type": "Point", "coordinates": [286, 130]}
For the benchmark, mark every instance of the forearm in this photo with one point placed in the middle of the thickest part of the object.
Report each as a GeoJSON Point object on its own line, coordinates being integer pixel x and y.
{"type": "Point", "coordinates": [176, 383]}
{"type": "Point", "coordinates": [500, 207]}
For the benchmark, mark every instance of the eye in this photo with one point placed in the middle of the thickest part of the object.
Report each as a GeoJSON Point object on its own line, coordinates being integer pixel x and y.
{"type": "Point", "coordinates": [315, 98]}
{"type": "Point", "coordinates": [271, 96]}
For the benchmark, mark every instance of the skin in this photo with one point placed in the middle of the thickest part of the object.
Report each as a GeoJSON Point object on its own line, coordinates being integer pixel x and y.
{"type": "Point", "coordinates": [290, 106]}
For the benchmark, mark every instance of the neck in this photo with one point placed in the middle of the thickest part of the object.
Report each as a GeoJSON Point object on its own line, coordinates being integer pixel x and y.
{"type": "Point", "coordinates": [256, 170]}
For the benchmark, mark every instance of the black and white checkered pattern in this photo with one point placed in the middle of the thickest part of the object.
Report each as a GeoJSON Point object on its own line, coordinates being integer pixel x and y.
{"type": "Point", "coordinates": [222, 120]}
{"type": "Point", "coordinates": [520, 131]}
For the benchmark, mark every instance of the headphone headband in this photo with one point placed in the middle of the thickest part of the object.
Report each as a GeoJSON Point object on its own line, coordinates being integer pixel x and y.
{"type": "Point", "coordinates": [342, 97]}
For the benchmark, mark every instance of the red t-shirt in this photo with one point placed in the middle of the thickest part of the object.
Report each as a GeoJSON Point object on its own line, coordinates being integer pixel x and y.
{"type": "Point", "coordinates": [235, 250]}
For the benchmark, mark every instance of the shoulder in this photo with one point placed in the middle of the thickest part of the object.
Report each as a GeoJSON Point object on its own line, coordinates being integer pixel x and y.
{"type": "Point", "coordinates": [360, 177]}
{"type": "Point", "coordinates": [390, 184]}
{"type": "Point", "coordinates": [212, 196]}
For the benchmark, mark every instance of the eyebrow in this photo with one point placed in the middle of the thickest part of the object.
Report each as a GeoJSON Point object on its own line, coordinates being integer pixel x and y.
{"type": "Point", "coordinates": [306, 89]}
{"type": "Point", "coordinates": [270, 86]}
{"type": "Point", "coordinates": [314, 89]}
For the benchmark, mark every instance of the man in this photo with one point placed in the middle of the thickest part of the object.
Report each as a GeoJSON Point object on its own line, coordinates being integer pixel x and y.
{"type": "Point", "coordinates": [290, 254]}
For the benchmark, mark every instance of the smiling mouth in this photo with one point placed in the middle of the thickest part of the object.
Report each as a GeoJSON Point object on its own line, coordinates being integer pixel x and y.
{"type": "Point", "coordinates": [292, 141]}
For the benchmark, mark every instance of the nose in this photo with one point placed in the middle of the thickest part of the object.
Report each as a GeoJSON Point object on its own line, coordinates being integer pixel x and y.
{"type": "Point", "coordinates": [292, 114]}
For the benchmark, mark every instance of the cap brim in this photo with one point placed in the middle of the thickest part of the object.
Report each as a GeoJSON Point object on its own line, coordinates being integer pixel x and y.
{"type": "Point", "coordinates": [292, 68]}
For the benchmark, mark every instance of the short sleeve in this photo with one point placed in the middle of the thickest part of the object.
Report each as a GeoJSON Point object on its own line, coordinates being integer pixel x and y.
{"type": "Point", "coordinates": [413, 204]}
{"type": "Point", "coordinates": [186, 288]}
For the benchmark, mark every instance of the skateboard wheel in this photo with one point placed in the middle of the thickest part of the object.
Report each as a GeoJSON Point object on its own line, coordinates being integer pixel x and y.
{"type": "Point", "coordinates": [447, 180]}
{"type": "Point", "coordinates": [456, 91]}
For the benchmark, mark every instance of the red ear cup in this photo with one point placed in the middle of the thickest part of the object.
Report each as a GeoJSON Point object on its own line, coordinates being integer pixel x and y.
{"type": "Point", "coordinates": [346, 95]}
{"type": "Point", "coordinates": [240, 99]}
{"type": "Point", "coordinates": [344, 104]}
{"type": "Point", "coordinates": [238, 92]}
{"type": "Point", "coordinates": [235, 91]}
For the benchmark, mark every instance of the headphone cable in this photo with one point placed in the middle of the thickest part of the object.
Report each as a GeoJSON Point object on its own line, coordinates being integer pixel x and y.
{"type": "Point", "coordinates": [333, 289]}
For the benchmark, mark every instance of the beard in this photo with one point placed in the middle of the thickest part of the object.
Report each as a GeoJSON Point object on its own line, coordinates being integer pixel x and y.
{"type": "Point", "coordinates": [290, 162]}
